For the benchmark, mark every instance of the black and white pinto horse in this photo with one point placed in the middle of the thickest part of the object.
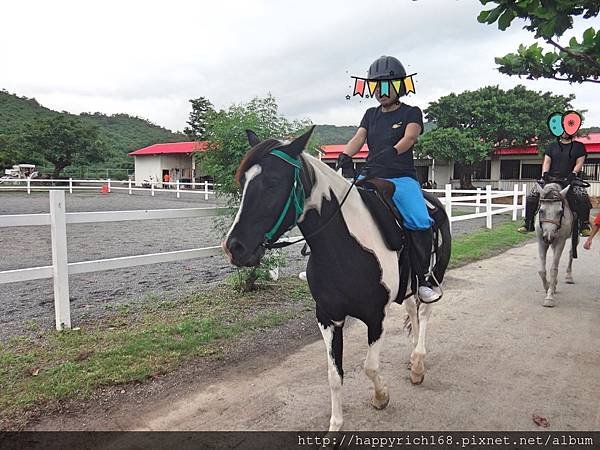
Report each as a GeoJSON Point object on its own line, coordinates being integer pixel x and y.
{"type": "Point", "coordinates": [554, 226]}
{"type": "Point", "coordinates": [350, 271]}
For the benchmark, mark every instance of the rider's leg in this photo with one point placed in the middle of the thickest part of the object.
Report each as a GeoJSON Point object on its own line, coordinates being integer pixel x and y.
{"type": "Point", "coordinates": [531, 206]}
{"type": "Point", "coordinates": [409, 200]}
{"type": "Point", "coordinates": [579, 201]}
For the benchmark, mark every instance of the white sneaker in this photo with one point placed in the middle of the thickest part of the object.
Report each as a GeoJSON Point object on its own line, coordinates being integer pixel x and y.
{"type": "Point", "coordinates": [302, 276]}
{"type": "Point", "coordinates": [428, 295]}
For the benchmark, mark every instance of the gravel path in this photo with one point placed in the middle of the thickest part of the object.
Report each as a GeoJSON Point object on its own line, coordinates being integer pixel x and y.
{"type": "Point", "coordinates": [95, 294]}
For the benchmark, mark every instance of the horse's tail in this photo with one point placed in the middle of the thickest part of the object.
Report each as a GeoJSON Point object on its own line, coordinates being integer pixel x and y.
{"type": "Point", "coordinates": [407, 323]}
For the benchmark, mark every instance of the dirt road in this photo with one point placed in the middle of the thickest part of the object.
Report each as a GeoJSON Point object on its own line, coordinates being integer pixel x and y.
{"type": "Point", "coordinates": [496, 357]}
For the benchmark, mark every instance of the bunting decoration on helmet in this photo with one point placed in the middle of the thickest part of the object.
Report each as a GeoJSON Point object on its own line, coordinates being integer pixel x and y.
{"type": "Point", "coordinates": [372, 87]}
{"type": "Point", "coordinates": [359, 87]}
{"type": "Point", "coordinates": [384, 86]}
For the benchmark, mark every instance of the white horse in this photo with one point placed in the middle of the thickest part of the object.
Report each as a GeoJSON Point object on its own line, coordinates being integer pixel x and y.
{"type": "Point", "coordinates": [553, 226]}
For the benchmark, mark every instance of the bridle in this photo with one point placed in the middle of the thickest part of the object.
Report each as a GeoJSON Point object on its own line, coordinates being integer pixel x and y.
{"type": "Point", "coordinates": [562, 210]}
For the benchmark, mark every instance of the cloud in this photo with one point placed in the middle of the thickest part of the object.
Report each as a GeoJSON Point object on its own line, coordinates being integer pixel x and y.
{"type": "Point", "coordinates": [149, 58]}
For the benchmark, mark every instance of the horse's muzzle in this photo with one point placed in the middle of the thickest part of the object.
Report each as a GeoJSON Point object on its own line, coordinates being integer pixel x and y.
{"type": "Point", "coordinates": [240, 255]}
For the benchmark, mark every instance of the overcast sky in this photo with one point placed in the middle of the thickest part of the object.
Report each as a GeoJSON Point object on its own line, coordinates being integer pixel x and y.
{"type": "Point", "coordinates": [148, 58]}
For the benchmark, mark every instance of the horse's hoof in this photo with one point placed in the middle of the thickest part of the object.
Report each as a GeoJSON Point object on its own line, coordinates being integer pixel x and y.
{"type": "Point", "coordinates": [416, 378]}
{"type": "Point", "coordinates": [569, 281]}
{"type": "Point", "coordinates": [548, 302]}
{"type": "Point", "coordinates": [380, 401]}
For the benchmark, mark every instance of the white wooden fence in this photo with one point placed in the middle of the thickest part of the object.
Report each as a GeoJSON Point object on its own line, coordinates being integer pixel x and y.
{"type": "Point", "coordinates": [480, 200]}
{"type": "Point", "coordinates": [37, 184]}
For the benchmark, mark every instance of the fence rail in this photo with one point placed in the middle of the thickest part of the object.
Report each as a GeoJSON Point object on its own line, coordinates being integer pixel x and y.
{"type": "Point", "coordinates": [72, 184]}
{"type": "Point", "coordinates": [480, 200]}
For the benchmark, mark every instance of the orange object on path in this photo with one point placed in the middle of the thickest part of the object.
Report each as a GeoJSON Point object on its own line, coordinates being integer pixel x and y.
{"type": "Point", "coordinates": [104, 189]}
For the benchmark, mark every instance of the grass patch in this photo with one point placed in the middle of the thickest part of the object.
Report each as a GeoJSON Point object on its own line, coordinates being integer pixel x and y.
{"type": "Point", "coordinates": [138, 342]}
{"type": "Point", "coordinates": [485, 243]}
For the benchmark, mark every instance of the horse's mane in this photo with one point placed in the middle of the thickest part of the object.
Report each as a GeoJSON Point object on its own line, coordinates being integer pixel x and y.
{"type": "Point", "coordinates": [551, 190]}
{"type": "Point", "coordinates": [254, 155]}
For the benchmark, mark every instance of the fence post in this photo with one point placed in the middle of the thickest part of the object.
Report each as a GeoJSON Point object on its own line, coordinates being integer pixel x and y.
{"type": "Point", "coordinates": [515, 201]}
{"type": "Point", "coordinates": [177, 187]}
{"type": "Point", "coordinates": [70, 185]}
{"type": "Point", "coordinates": [193, 184]}
{"type": "Point", "coordinates": [108, 184]}
{"type": "Point", "coordinates": [205, 189]}
{"type": "Point", "coordinates": [448, 204]}
{"type": "Point", "coordinates": [524, 200]}
{"type": "Point", "coordinates": [152, 188]}
{"type": "Point", "coordinates": [29, 185]}
{"type": "Point", "coordinates": [129, 187]}
{"type": "Point", "coordinates": [60, 268]}
{"type": "Point", "coordinates": [478, 201]}
{"type": "Point", "coordinates": [488, 203]}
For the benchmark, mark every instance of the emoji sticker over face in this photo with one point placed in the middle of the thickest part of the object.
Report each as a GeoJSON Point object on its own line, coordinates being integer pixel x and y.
{"type": "Point", "coordinates": [569, 123]}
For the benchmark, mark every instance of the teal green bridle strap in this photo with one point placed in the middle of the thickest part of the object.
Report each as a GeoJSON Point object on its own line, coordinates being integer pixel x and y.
{"type": "Point", "coordinates": [296, 194]}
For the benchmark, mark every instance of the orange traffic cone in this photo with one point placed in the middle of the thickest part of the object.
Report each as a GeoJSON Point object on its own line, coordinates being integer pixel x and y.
{"type": "Point", "coordinates": [104, 189]}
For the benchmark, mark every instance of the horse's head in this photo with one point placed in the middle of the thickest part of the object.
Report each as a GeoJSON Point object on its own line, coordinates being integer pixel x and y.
{"type": "Point", "coordinates": [552, 211]}
{"type": "Point", "coordinates": [272, 197]}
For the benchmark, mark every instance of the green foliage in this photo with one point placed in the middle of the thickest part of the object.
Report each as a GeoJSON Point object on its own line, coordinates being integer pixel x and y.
{"type": "Point", "coordinates": [120, 132]}
{"type": "Point", "coordinates": [201, 109]}
{"type": "Point", "coordinates": [577, 62]}
{"type": "Point", "coordinates": [228, 142]}
{"type": "Point", "coordinates": [471, 124]}
{"type": "Point", "coordinates": [245, 279]}
{"type": "Point", "coordinates": [64, 141]}
{"type": "Point", "coordinates": [331, 134]}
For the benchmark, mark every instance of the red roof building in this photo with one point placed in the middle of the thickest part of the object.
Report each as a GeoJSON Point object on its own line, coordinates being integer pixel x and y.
{"type": "Point", "coordinates": [175, 159]}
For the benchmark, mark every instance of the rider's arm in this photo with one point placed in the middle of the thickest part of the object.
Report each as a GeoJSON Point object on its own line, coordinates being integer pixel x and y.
{"type": "Point", "coordinates": [579, 164]}
{"type": "Point", "coordinates": [546, 164]}
{"type": "Point", "coordinates": [356, 143]}
{"type": "Point", "coordinates": [413, 130]}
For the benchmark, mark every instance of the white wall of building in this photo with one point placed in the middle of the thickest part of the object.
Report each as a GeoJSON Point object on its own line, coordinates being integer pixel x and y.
{"type": "Point", "coordinates": [147, 166]}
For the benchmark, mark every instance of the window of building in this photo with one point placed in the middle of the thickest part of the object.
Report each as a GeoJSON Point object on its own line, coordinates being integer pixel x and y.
{"type": "Point", "coordinates": [481, 171]}
{"type": "Point", "coordinates": [509, 169]}
{"type": "Point", "coordinates": [591, 170]}
{"type": "Point", "coordinates": [531, 171]}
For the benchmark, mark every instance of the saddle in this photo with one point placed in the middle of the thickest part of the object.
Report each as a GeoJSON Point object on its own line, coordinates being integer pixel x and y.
{"type": "Point", "coordinates": [378, 193]}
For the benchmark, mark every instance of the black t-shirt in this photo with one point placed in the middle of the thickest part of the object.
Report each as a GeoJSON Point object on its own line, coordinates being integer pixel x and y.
{"type": "Point", "coordinates": [385, 129]}
{"type": "Point", "coordinates": [564, 157]}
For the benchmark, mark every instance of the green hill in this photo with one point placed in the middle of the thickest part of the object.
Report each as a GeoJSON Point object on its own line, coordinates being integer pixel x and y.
{"type": "Point", "coordinates": [122, 133]}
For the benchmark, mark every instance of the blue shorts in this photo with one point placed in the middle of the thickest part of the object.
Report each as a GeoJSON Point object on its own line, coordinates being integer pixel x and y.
{"type": "Point", "coordinates": [409, 200]}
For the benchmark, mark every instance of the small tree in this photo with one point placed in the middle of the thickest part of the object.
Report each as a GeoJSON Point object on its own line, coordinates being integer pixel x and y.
{"type": "Point", "coordinates": [9, 153]}
{"type": "Point", "coordinates": [201, 109]}
{"type": "Point", "coordinates": [473, 123]}
{"type": "Point", "coordinates": [228, 143]}
{"type": "Point", "coordinates": [63, 141]}
{"type": "Point", "coordinates": [577, 62]}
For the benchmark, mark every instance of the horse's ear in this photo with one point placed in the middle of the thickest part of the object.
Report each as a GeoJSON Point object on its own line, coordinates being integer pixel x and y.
{"type": "Point", "coordinates": [563, 193]}
{"type": "Point", "coordinates": [253, 139]}
{"type": "Point", "coordinates": [296, 147]}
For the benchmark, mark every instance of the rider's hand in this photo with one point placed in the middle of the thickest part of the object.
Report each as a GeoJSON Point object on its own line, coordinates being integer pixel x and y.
{"type": "Point", "coordinates": [546, 177]}
{"type": "Point", "coordinates": [344, 162]}
{"type": "Point", "coordinates": [571, 177]}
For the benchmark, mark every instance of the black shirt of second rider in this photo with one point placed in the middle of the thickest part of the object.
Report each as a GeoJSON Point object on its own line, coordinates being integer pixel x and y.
{"type": "Point", "coordinates": [564, 157]}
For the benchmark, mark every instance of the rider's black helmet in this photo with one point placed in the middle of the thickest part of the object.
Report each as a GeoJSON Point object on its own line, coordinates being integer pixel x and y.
{"type": "Point", "coordinates": [386, 68]}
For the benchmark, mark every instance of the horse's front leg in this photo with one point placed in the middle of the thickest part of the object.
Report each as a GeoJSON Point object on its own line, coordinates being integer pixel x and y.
{"type": "Point", "coordinates": [569, 277]}
{"type": "Point", "coordinates": [381, 396]}
{"type": "Point", "coordinates": [556, 254]}
{"type": "Point", "coordinates": [332, 335]}
{"type": "Point", "coordinates": [417, 358]}
{"type": "Point", "coordinates": [411, 309]}
{"type": "Point", "coordinates": [543, 251]}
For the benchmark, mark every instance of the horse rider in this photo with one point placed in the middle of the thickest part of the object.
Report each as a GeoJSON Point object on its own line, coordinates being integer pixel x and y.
{"type": "Point", "coordinates": [563, 159]}
{"type": "Point", "coordinates": [391, 130]}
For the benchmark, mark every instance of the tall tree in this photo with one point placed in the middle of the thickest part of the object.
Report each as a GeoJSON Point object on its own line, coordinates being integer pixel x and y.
{"type": "Point", "coordinates": [64, 141]}
{"type": "Point", "coordinates": [577, 62]}
{"type": "Point", "coordinates": [472, 124]}
{"type": "Point", "coordinates": [201, 109]}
